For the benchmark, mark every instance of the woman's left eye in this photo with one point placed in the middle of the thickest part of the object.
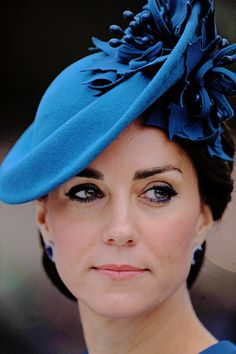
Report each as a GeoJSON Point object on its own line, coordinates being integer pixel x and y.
{"type": "Point", "coordinates": [161, 193]}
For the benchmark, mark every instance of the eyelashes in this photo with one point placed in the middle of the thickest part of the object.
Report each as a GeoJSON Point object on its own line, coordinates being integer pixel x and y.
{"type": "Point", "coordinates": [85, 193]}
{"type": "Point", "coordinates": [161, 193]}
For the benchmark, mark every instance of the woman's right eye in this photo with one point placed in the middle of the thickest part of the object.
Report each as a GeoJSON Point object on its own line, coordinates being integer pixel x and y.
{"type": "Point", "coordinates": [84, 193]}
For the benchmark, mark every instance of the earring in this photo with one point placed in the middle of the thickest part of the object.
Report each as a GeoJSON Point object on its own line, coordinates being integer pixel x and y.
{"type": "Point", "coordinates": [49, 249]}
{"type": "Point", "coordinates": [197, 248]}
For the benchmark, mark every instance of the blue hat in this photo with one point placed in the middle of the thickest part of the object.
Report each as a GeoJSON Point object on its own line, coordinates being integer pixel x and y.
{"type": "Point", "coordinates": [169, 60]}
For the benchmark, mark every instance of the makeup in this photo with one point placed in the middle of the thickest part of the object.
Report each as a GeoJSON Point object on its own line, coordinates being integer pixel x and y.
{"type": "Point", "coordinates": [120, 272]}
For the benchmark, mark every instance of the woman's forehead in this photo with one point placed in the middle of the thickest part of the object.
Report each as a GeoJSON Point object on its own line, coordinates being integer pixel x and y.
{"type": "Point", "coordinates": [143, 147]}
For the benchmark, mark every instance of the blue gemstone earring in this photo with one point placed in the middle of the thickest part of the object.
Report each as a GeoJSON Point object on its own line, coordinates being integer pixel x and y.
{"type": "Point", "coordinates": [196, 249]}
{"type": "Point", "coordinates": [49, 249]}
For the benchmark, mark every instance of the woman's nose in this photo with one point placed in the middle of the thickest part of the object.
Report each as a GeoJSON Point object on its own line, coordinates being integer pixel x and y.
{"type": "Point", "coordinates": [121, 230]}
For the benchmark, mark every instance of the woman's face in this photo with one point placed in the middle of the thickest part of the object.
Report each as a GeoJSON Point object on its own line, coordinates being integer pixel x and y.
{"type": "Point", "coordinates": [124, 229]}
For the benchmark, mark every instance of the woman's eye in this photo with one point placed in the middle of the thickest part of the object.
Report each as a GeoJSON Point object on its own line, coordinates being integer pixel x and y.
{"type": "Point", "coordinates": [84, 193]}
{"type": "Point", "coordinates": [161, 193]}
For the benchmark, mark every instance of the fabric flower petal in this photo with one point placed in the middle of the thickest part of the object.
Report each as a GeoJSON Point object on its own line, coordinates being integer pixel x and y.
{"type": "Point", "coordinates": [197, 104]}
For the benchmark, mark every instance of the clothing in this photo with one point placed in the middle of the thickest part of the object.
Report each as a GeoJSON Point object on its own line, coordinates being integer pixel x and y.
{"type": "Point", "coordinates": [224, 347]}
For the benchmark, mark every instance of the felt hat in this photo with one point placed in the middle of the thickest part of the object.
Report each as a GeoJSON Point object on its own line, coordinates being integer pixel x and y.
{"type": "Point", "coordinates": [165, 49]}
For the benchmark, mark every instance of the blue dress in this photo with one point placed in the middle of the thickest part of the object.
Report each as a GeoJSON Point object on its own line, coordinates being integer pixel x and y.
{"type": "Point", "coordinates": [224, 347]}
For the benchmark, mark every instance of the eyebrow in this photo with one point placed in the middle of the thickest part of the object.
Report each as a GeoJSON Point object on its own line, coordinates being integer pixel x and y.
{"type": "Point", "coordinates": [140, 174]}
{"type": "Point", "coordinates": [90, 172]}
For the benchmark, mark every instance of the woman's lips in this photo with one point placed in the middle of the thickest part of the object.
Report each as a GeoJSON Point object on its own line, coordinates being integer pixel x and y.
{"type": "Point", "coordinates": [120, 272]}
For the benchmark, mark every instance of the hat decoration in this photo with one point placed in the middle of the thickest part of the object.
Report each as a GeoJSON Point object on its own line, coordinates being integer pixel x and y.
{"type": "Point", "coordinates": [197, 105]}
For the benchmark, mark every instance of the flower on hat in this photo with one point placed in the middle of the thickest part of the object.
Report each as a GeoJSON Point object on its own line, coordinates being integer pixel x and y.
{"type": "Point", "coordinates": [203, 105]}
{"type": "Point", "coordinates": [197, 103]}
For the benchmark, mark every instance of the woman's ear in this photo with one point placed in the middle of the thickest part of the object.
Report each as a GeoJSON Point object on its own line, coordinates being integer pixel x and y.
{"type": "Point", "coordinates": [205, 222]}
{"type": "Point", "coordinates": [41, 210]}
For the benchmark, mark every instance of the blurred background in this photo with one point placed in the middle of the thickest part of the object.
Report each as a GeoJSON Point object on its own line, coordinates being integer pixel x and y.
{"type": "Point", "coordinates": [40, 39]}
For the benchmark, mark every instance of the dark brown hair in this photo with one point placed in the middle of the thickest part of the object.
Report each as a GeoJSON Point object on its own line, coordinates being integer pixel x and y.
{"type": "Point", "coordinates": [214, 174]}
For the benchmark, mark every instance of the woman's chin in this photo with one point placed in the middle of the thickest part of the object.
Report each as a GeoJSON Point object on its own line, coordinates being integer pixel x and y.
{"type": "Point", "coordinates": [119, 306]}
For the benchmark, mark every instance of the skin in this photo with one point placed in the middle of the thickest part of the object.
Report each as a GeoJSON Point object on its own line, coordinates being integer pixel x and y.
{"type": "Point", "coordinates": [152, 222]}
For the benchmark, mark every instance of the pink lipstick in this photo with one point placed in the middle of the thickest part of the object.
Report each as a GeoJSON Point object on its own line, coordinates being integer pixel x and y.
{"type": "Point", "coordinates": [120, 272]}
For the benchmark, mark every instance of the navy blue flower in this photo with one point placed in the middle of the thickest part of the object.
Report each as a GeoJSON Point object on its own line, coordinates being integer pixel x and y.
{"type": "Point", "coordinates": [197, 114]}
{"type": "Point", "coordinates": [213, 82]}
{"type": "Point", "coordinates": [148, 41]}
{"type": "Point", "coordinates": [197, 104]}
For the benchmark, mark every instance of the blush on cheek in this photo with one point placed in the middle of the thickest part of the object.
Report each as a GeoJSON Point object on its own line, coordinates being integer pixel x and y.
{"type": "Point", "coordinates": [174, 239]}
{"type": "Point", "coordinates": [72, 237]}
{"type": "Point", "coordinates": [71, 250]}
{"type": "Point", "coordinates": [69, 239]}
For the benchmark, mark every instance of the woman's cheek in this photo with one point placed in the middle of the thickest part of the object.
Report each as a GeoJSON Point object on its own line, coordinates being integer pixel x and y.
{"type": "Point", "coordinates": [172, 238]}
{"type": "Point", "coordinates": [72, 239]}
{"type": "Point", "coordinates": [72, 251]}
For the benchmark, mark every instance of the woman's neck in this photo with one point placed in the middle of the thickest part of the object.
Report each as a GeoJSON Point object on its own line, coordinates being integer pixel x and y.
{"type": "Point", "coordinates": [172, 328]}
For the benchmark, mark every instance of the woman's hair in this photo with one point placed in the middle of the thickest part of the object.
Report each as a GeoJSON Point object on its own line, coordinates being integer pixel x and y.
{"type": "Point", "coordinates": [215, 186]}
{"type": "Point", "coordinates": [214, 174]}
{"type": "Point", "coordinates": [51, 271]}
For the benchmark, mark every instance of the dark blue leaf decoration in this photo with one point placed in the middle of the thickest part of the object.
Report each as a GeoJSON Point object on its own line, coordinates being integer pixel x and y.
{"type": "Point", "coordinates": [199, 98]}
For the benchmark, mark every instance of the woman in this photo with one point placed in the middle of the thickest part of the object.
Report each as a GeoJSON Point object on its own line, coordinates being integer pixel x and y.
{"type": "Point", "coordinates": [130, 162]}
